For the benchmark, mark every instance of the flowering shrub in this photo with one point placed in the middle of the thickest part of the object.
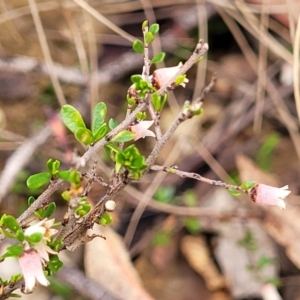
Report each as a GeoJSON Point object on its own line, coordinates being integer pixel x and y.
{"type": "Point", "coordinates": [37, 246]}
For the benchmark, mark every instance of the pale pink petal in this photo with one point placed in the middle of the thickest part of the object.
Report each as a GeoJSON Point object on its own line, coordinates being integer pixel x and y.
{"type": "Point", "coordinates": [162, 76]}
{"type": "Point", "coordinates": [32, 269]}
{"type": "Point", "coordinates": [141, 129]}
{"type": "Point", "coordinates": [269, 195]}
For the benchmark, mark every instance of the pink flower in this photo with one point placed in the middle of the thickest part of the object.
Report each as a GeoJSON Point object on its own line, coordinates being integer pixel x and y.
{"type": "Point", "coordinates": [32, 269]}
{"type": "Point", "coordinates": [162, 76]}
{"type": "Point", "coordinates": [141, 129]}
{"type": "Point", "coordinates": [265, 194]}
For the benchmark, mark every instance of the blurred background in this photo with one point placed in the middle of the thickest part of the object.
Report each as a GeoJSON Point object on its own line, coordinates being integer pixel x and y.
{"type": "Point", "coordinates": [171, 238]}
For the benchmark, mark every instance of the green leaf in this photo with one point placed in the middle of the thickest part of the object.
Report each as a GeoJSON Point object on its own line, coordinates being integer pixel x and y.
{"type": "Point", "coordinates": [48, 212]}
{"type": "Point", "coordinates": [247, 185]}
{"type": "Point", "coordinates": [84, 136]}
{"type": "Point", "coordinates": [192, 225]}
{"type": "Point", "coordinates": [13, 251]}
{"type": "Point", "coordinates": [37, 180]}
{"type": "Point", "coordinates": [105, 219]}
{"type": "Point", "coordinates": [55, 264]}
{"type": "Point", "coordinates": [138, 46]}
{"type": "Point", "coordinates": [20, 235]}
{"type": "Point", "coordinates": [165, 194]}
{"type": "Point", "coordinates": [30, 200]}
{"type": "Point", "coordinates": [101, 132]}
{"type": "Point", "coordinates": [154, 28]}
{"type": "Point", "coordinates": [83, 209]}
{"type": "Point", "coordinates": [112, 124]}
{"type": "Point", "coordinates": [234, 193]}
{"type": "Point", "coordinates": [72, 118]}
{"type": "Point", "coordinates": [34, 238]}
{"type": "Point", "coordinates": [136, 78]}
{"type": "Point", "coordinates": [144, 24]}
{"type": "Point", "coordinates": [65, 175]}
{"type": "Point", "coordinates": [124, 136]}
{"type": "Point", "coordinates": [149, 37]}
{"type": "Point", "coordinates": [158, 57]}
{"type": "Point", "coordinates": [99, 114]}
{"type": "Point", "coordinates": [112, 150]}
{"type": "Point", "coordinates": [11, 223]}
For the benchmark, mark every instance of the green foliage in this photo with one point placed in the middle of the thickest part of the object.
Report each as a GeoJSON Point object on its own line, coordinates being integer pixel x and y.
{"type": "Point", "coordinates": [180, 80]}
{"type": "Point", "coordinates": [13, 251]}
{"type": "Point", "coordinates": [61, 289]}
{"type": "Point", "coordinates": [158, 102]}
{"type": "Point", "coordinates": [46, 212]}
{"type": "Point", "coordinates": [99, 114]}
{"type": "Point", "coordinates": [158, 58]}
{"type": "Point", "coordinates": [9, 222]}
{"type": "Point", "coordinates": [245, 186]}
{"type": "Point", "coordinates": [138, 46]}
{"type": "Point", "coordinates": [35, 181]}
{"type": "Point", "coordinates": [123, 136]}
{"type": "Point", "coordinates": [165, 194]}
{"type": "Point", "coordinates": [132, 160]}
{"type": "Point", "coordinates": [192, 225]}
{"type": "Point", "coordinates": [72, 118]}
{"type": "Point", "coordinates": [190, 198]}
{"type": "Point", "coordinates": [34, 238]}
{"type": "Point", "coordinates": [154, 28]}
{"type": "Point", "coordinates": [264, 156]}
{"type": "Point", "coordinates": [83, 209]}
{"type": "Point", "coordinates": [112, 124]}
{"type": "Point", "coordinates": [74, 121]}
{"type": "Point", "coordinates": [54, 265]}
{"type": "Point", "coordinates": [148, 38]}
{"type": "Point", "coordinates": [233, 192]}
{"type": "Point", "coordinates": [162, 238]}
{"type": "Point", "coordinates": [105, 219]}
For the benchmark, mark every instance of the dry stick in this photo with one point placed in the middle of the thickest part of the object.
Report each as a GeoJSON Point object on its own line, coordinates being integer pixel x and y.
{"type": "Point", "coordinates": [196, 176]}
{"type": "Point", "coordinates": [46, 52]}
{"type": "Point", "coordinates": [296, 66]}
{"type": "Point", "coordinates": [104, 20]}
{"type": "Point", "coordinates": [85, 286]}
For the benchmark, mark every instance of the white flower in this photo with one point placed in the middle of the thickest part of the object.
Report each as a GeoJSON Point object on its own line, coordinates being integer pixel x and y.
{"type": "Point", "coordinates": [269, 195]}
{"type": "Point", "coordinates": [161, 77]}
{"type": "Point", "coordinates": [32, 269]}
{"type": "Point", "coordinates": [43, 227]}
{"type": "Point", "coordinates": [141, 129]}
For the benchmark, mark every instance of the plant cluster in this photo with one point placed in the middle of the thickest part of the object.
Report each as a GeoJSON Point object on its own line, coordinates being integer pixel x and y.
{"type": "Point", "coordinates": [37, 244]}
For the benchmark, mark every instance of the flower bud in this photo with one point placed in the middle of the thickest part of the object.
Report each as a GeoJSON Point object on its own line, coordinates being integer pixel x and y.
{"type": "Point", "coordinates": [110, 205]}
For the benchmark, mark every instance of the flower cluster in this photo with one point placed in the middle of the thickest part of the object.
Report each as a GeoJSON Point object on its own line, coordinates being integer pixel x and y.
{"type": "Point", "coordinates": [36, 255]}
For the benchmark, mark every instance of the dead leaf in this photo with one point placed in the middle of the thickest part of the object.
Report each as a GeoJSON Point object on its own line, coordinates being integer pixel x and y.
{"type": "Point", "coordinates": [108, 263]}
{"type": "Point", "coordinates": [195, 251]}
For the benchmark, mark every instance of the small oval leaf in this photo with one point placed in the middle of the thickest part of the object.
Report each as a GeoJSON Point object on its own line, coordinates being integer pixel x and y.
{"type": "Point", "coordinates": [124, 136]}
{"type": "Point", "coordinates": [48, 212]}
{"type": "Point", "coordinates": [158, 57]}
{"type": "Point", "coordinates": [99, 114]}
{"type": "Point", "coordinates": [149, 37]}
{"type": "Point", "coordinates": [138, 46]}
{"type": "Point", "coordinates": [37, 180]}
{"type": "Point", "coordinates": [101, 132]}
{"type": "Point", "coordinates": [72, 118]}
{"type": "Point", "coordinates": [112, 124]}
{"type": "Point", "coordinates": [84, 135]}
{"type": "Point", "coordinates": [154, 28]}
